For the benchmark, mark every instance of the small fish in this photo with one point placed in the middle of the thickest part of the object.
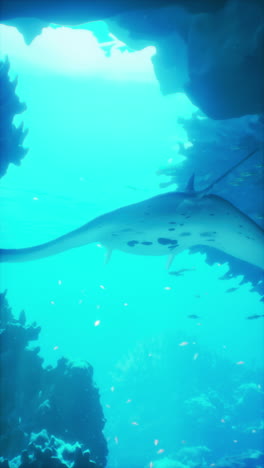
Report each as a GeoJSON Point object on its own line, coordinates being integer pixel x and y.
{"type": "Point", "coordinates": [231, 290]}
{"type": "Point", "coordinates": [235, 148]}
{"type": "Point", "coordinates": [167, 170]}
{"type": "Point", "coordinates": [246, 174]}
{"type": "Point", "coordinates": [180, 272]}
{"type": "Point", "coordinates": [193, 316]}
{"type": "Point", "coordinates": [132, 187]}
{"type": "Point", "coordinates": [255, 316]}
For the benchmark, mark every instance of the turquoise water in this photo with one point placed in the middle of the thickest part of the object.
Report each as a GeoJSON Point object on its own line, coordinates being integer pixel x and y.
{"type": "Point", "coordinates": [98, 131]}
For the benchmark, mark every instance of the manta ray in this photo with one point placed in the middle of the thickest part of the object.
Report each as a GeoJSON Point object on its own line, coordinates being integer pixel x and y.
{"type": "Point", "coordinates": [165, 224]}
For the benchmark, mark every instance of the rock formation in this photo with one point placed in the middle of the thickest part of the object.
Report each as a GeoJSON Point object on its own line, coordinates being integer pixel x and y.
{"type": "Point", "coordinates": [212, 50]}
{"type": "Point", "coordinates": [40, 406]}
{"type": "Point", "coordinates": [11, 137]}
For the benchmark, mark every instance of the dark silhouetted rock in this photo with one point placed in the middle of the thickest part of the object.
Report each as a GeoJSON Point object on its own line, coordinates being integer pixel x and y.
{"type": "Point", "coordinates": [46, 411]}
{"type": "Point", "coordinates": [226, 60]}
{"type": "Point", "coordinates": [11, 137]}
{"type": "Point", "coordinates": [212, 50]}
{"type": "Point", "coordinates": [77, 12]}
{"type": "Point", "coordinates": [216, 57]}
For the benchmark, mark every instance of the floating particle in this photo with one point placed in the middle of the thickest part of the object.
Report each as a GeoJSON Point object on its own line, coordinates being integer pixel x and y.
{"type": "Point", "coordinates": [168, 288]}
{"type": "Point", "coordinates": [151, 464]}
{"type": "Point", "coordinates": [108, 406]}
{"type": "Point", "coordinates": [195, 356]}
{"type": "Point", "coordinates": [253, 431]}
{"type": "Point", "coordinates": [239, 363]}
{"type": "Point", "coordinates": [55, 348]}
{"type": "Point", "coordinates": [52, 302]}
{"type": "Point", "coordinates": [98, 307]}
{"type": "Point", "coordinates": [235, 441]}
{"type": "Point", "coordinates": [102, 286]}
{"type": "Point", "coordinates": [222, 420]}
{"type": "Point", "coordinates": [135, 423]}
{"type": "Point", "coordinates": [112, 389]}
{"type": "Point", "coordinates": [183, 441]}
{"type": "Point", "coordinates": [97, 322]}
{"type": "Point", "coordinates": [160, 451]}
{"type": "Point", "coordinates": [128, 401]}
{"type": "Point", "coordinates": [99, 245]}
{"type": "Point", "coordinates": [184, 343]}
{"type": "Point", "coordinates": [35, 198]}
{"type": "Point", "coordinates": [80, 301]}
{"type": "Point", "coordinates": [59, 282]}
{"type": "Point", "coordinates": [125, 304]}
{"type": "Point", "coordinates": [116, 440]}
{"type": "Point", "coordinates": [156, 442]}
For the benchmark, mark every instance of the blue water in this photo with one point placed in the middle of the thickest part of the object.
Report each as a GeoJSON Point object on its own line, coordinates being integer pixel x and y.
{"type": "Point", "coordinates": [99, 129]}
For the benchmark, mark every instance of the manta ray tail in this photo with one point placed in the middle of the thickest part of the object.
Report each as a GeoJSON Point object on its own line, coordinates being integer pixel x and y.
{"type": "Point", "coordinates": [205, 191]}
{"type": "Point", "coordinates": [69, 241]}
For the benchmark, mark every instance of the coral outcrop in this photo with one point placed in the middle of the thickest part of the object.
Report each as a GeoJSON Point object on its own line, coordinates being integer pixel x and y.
{"type": "Point", "coordinates": [41, 406]}
{"type": "Point", "coordinates": [11, 137]}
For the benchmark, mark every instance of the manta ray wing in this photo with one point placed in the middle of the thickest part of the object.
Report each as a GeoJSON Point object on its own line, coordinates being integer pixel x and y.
{"type": "Point", "coordinates": [163, 225]}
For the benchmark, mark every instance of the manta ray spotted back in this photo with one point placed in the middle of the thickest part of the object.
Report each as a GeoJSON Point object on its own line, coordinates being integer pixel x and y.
{"type": "Point", "coordinates": [163, 225]}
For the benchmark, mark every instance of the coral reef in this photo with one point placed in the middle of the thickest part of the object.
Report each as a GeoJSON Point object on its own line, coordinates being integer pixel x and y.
{"type": "Point", "coordinates": [246, 460]}
{"type": "Point", "coordinates": [11, 137]}
{"type": "Point", "coordinates": [46, 451]}
{"type": "Point", "coordinates": [192, 407]}
{"type": "Point", "coordinates": [213, 147]}
{"type": "Point", "coordinates": [53, 403]}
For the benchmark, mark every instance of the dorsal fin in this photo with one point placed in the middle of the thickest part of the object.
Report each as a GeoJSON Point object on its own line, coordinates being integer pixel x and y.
{"type": "Point", "coordinates": [205, 191]}
{"type": "Point", "coordinates": [190, 185]}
